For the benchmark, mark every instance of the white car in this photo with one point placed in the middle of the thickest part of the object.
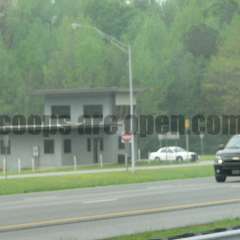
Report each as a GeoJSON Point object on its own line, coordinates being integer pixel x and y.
{"type": "Point", "coordinates": [173, 154]}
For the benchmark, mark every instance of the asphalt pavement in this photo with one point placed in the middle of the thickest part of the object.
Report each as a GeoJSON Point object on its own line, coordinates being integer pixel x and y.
{"type": "Point", "coordinates": [103, 212]}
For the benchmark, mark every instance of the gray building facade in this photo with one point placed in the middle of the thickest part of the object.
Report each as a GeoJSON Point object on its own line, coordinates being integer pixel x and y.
{"type": "Point", "coordinates": [80, 125]}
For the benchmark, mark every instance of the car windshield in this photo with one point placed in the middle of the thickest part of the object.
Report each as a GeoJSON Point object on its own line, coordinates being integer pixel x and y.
{"type": "Point", "coordinates": [234, 142]}
{"type": "Point", "coordinates": [162, 150]}
{"type": "Point", "coordinates": [178, 149]}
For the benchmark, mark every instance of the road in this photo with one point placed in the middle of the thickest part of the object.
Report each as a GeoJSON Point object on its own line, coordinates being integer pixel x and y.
{"type": "Point", "coordinates": [115, 210]}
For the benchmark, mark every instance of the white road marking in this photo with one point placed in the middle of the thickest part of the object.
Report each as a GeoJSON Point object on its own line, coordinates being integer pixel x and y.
{"type": "Point", "coordinates": [36, 202]}
{"type": "Point", "coordinates": [84, 200]}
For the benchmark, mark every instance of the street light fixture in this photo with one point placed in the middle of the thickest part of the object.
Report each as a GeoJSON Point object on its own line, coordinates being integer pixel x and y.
{"type": "Point", "coordinates": [127, 50]}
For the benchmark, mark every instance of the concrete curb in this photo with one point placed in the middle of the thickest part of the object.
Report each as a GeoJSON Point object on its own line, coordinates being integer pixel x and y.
{"type": "Point", "coordinates": [217, 234]}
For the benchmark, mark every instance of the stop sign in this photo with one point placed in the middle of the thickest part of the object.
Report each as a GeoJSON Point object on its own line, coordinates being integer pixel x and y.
{"type": "Point", "coordinates": [126, 137]}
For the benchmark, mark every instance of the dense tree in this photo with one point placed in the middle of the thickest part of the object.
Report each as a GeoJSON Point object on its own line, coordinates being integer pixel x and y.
{"type": "Point", "coordinates": [117, 15]}
{"type": "Point", "coordinates": [185, 52]}
{"type": "Point", "coordinates": [201, 40]}
{"type": "Point", "coordinates": [222, 86]}
{"type": "Point", "coordinates": [221, 12]}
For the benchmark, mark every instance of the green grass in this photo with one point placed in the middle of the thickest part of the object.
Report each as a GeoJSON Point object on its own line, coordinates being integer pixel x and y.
{"type": "Point", "coordinates": [38, 184]}
{"type": "Point", "coordinates": [141, 163]}
{"type": "Point", "coordinates": [179, 231]}
{"type": "Point", "coordinates": [64, 169]}
{"type": "Point", "coordinates": [207, 157]}
{"type": "Point", "coordinates": [146, 162]}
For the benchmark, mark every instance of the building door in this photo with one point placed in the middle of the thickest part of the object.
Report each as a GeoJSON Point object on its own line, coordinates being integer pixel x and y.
{"type": "Point", "coordinates": [95, 150]}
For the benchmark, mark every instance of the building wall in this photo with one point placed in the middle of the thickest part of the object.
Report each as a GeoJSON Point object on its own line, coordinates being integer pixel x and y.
{"type": "Point", "coordinates": [83, 156]}
{"type": "Point", "coordinates": [22, 148]}
{"type": "Point", "coordinates": [77, 102]}
{"type": "Point", "coordinates": [22, 145]}
{"type": "Point", "coordinates": [123, 99]}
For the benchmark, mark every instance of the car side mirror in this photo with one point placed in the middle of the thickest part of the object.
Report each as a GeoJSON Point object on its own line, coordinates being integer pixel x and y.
{"type": "Point", "coordinates": [221, 147]}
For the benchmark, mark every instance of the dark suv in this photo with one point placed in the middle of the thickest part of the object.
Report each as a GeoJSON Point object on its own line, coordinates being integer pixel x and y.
{"type": "Point", "coordinates": [227, 161]}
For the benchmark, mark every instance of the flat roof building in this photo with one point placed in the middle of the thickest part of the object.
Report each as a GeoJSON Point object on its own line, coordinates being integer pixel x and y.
{"type": "Point", "coordinates": [81, 125]}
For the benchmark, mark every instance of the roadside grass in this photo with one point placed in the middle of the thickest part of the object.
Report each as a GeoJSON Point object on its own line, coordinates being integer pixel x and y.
{"type": "Point", "coordinates": [63, 169]}
{"type": "Point", "coordinates": [228, 223]}
{"type": "Point", "coordinates": [146, 162]}
{"type": "Point", "coordinates": [207, 157]}
{"type": "Point", "coordinates": [140, 163]}
{"type": "Point", "coordinates": [38, 184]}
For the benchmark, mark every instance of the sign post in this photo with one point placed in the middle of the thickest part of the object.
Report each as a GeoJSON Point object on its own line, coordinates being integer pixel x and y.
{"type": "Point", "coordinates": [126, 138]}
{"type": "Point", "coordinates": [187, 127]}
{"type": "Point", "coordinates": [202, 144]}
{"type": "Point", "coordinates": [19, 166]}
{"type": "Point", "coordinates": [35, 158]}
{"type": "Point", "coordinates": [75, 162]}
{"type": "Point", "coordinates": [5, 167]}
{"type": "Point", "coordinates": [101, 160]}
{"type": "Point", "coordinates": [126, 156]}
{"type": "Point", "coordinates": [6, 146]}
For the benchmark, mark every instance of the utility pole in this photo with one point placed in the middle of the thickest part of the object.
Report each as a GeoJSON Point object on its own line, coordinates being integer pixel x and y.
{"type": "Point", "coordinates": [128, 51]}
{"type": "Point", "coordinates": [131, 108]}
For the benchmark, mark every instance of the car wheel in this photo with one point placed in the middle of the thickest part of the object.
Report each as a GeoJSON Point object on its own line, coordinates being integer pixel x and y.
{"type": "Point", "coordinates": [157, 158]}
{"type": "Point", "coordinates": [220, 178]}
{"type": "Point", "coordinates": [179, 159]}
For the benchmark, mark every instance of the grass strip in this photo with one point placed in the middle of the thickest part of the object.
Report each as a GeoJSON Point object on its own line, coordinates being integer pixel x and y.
{"type": "Point", "coordinates": [228, 223]}
{"type": "Point", "coordinates": [39, 184]}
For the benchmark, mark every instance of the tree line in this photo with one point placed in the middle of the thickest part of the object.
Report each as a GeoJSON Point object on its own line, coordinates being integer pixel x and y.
{"type": "Point", "coordinates": [186, 53]}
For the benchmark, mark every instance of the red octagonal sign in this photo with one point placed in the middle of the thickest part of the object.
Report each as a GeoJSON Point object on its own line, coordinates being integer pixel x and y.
{"type": "Point", "coordinates": [126, 137]}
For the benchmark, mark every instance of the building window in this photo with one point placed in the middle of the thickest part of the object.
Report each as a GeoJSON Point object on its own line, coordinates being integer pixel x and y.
{"type": "Point", "coordinates": [61, 112]}
{"type": "Point", "coordinates": [5, 150]}
{"type": "Point", "coordinates": [89, 145]}
{"type": "Point", "coordinates": [93, 111]}
{"type": "Point", "coordinates": [121, 145]}
{"type": "Point", "coordinates": [67, 146]}
{"type": "Point", "coordinates": [122, 111]}
{"type": "Point", "coordinates": [101, 144]}
{"type": "Point", "coordinates": [48, 146]}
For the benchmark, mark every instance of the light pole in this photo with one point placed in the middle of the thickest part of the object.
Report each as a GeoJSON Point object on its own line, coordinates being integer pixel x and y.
{"type": "Point", "coordinates": [127, 50]}
{"type": "Point", "coordinates": [202, 144]}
